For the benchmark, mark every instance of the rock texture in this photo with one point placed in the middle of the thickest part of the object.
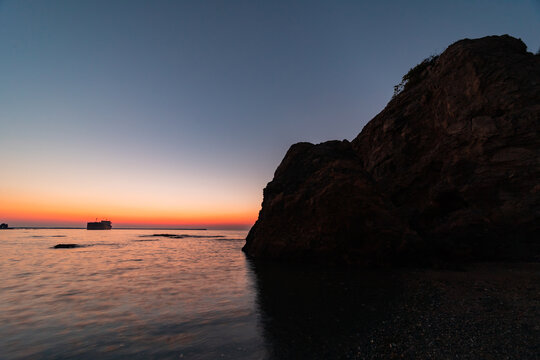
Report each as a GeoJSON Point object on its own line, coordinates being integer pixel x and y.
{"type": "Point", "coordinates": [450, 169]}
{"type": "Point", "coordinates": [322, 205]}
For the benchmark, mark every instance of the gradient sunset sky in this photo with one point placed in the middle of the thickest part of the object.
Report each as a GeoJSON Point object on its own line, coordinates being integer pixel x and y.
{"type": "Point", "coordinates": [176, 113]}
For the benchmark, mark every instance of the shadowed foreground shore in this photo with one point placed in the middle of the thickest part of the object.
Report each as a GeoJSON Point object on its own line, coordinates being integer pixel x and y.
{"type": "Point", "coordinates": [488, 311]}
{"type": "Point", "coordinates": [484, 310]}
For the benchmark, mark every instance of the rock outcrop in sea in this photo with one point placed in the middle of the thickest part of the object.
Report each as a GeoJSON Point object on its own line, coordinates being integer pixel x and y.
{"type": "Point", "coordinates": [66, 246]}
{"type": "Point", "coordinates": [449, 170]}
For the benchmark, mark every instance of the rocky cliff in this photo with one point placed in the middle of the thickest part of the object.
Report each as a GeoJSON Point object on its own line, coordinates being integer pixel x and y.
{"type": "Point", "coordinates": [450, 170]}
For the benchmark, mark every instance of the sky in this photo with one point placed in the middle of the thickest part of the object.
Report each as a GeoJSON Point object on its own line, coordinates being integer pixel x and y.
{"type": "Point", "coordinates": [176, 113]}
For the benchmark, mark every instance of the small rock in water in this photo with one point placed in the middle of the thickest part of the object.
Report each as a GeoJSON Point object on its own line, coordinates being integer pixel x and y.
{"type": "Point", "coordinates": [65, 246]}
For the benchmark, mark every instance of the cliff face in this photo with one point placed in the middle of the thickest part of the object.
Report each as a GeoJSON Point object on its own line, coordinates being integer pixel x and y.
{"type": "Point", "coordinates": [323, 206]}
{"type": "Point", "coordinates": [449, 169]}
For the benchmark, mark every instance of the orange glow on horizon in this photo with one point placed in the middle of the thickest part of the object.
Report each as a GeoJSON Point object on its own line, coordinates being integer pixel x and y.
{"type": "Point", "coordinates": [27, 210]}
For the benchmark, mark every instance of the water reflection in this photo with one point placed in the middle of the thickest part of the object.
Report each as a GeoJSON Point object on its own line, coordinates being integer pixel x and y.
{"type": "Point", "coordinates": [312, 313]}
{"type": "Point", "coordinates": [188, 295]}
{"type": "Point", "coordinates": [118, 298]}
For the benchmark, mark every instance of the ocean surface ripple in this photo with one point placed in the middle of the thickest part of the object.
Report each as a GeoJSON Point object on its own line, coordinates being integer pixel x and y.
{"type": "Point", "coordinates": [139, 294]}
{"type": "Point", "coordinates": [187, 294]}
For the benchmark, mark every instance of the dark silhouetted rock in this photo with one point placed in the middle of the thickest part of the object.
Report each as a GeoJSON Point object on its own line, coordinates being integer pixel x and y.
{"type": "Point", "coordinates": [322, 205]}
{"type": "Point", "coordinates": [66, 246]}
{"type": "Point", "coordinates": [459, 151]}
{"type": "Point", "coordinates": [449, 169]}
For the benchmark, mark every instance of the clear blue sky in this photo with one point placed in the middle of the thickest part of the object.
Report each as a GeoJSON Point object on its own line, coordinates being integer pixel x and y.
{"type": "Point", "coordinates": [176, 106]}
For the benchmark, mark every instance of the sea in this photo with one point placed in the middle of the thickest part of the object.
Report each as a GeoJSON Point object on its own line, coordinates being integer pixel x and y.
{"type": "Point", "coordinates": [173, 294]}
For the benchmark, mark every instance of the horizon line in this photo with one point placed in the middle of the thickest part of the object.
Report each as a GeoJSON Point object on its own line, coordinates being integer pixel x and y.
{"type": "Point", "coordinates": [128, 228]}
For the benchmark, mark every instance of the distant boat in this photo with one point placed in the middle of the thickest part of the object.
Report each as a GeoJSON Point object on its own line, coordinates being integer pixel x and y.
{"type": "Point", "coordinates": [102, 225]}
{"type": "Point", "coordinates": [3, 226]}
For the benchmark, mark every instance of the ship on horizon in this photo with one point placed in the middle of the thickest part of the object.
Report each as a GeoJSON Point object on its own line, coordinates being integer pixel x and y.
{"type": "Point", "coordinates": [101, 225]}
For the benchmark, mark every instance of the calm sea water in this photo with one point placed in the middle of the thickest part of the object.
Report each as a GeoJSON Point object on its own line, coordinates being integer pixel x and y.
{"type": "Point", "coordinates": [130, 294]}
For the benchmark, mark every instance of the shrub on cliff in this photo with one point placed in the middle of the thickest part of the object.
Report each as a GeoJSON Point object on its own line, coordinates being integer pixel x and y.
{"type": "Point", "coordinates": [414, 75]}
